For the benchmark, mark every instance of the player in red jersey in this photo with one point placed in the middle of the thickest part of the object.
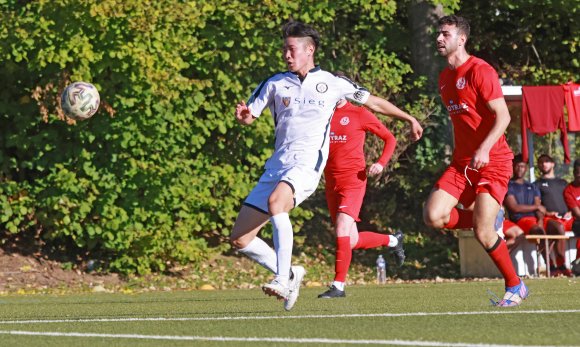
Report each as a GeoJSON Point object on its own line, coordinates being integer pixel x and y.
{"type": "Point", "coordinates": [572, 198]}
{"type": "Point", "coordinates": [346, 179]}
{"type": "Point", "coordinates": [482, 161]}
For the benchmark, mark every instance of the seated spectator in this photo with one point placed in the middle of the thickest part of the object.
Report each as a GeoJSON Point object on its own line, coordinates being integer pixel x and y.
{"type": "Point", "coordinates": [523, 203]}
{"type": "Point", "coordinates": [572, 198]}
{"type": "Point", "coordinates": [557, 219]}
{"type": "Point", "coordinates": [512, 234]}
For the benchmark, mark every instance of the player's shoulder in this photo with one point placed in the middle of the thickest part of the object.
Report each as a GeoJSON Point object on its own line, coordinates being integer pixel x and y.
{"type": "Point", "coordinates": [278, 76]}
{"type": "Point", "coordinates": [481, 66]}
{"type": "Point", "coordinates": [346, 80]}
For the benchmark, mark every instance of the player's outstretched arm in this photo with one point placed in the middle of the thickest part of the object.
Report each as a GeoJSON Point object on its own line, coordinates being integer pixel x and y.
{"type": "Point", "coordinates": [243, 114]}
{"type": "Point", "coordinates": [385, 107]}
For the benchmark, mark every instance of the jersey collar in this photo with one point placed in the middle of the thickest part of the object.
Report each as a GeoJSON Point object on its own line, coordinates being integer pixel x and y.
{"type": "Point", "coordinates": [314, 69]}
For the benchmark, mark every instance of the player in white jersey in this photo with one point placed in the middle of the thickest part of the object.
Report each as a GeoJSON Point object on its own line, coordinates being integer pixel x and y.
{"type": "Point", "coordinates": [301, 101]}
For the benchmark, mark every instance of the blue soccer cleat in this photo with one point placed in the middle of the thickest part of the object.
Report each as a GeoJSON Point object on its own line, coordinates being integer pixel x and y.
{"type": "Point", "coordinates": [514, 295]}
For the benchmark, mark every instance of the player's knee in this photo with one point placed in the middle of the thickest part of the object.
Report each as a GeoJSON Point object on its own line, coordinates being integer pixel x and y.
{"type": "Point", "coordinates": [432, 218]}
{"type": "Point", "coordinates": [238, 242]}
{"type": "Point", "coordinates": [277, 205]}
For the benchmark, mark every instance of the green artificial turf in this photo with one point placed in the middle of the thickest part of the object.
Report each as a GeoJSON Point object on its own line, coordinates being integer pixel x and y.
{"type": "Point", "coordinates": [428, 314]}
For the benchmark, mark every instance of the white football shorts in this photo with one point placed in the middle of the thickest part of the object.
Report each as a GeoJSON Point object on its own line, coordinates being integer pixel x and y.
{"type": "Point", "coordinates": [303, 181]}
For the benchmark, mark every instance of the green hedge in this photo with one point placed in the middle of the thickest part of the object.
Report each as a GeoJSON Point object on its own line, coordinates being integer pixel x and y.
{"type": "Point", "coordinates": [156, 177]}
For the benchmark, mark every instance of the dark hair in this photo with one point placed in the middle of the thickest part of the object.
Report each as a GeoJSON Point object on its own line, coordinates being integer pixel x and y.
{"type": "Point", "coordinates": [518, 158]}
{"type": "Point", "coordinates": [576, 164]}
{"type": "Point", "coordinates": [299, 29]}
{"type": "Point", "coordinates": [461, 23]}
{"type": "Point", "coordinates": [546, 157]}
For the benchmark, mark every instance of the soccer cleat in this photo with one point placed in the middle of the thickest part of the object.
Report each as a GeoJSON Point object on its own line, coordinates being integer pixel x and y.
{"type": "Point", "coordinates": [514, 295]}
{"type": "Point", "coordinates": [332, 292]}
{"type": "Point", "coordinates": [294, 287]}
{"type": "Point", "coordinates": [276, 289]}
{"type": "Point", "coordinates": [398, 250]}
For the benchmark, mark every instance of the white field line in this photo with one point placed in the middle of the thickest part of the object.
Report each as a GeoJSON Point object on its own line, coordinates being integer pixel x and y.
{"type": "Point", "coordinates": [317, 316]}
{"type": "Point", "coordinates": [255, 339]}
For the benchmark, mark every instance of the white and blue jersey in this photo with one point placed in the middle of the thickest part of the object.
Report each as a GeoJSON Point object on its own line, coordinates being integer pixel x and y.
{"type": "Point", "coordinates": [302, 111]}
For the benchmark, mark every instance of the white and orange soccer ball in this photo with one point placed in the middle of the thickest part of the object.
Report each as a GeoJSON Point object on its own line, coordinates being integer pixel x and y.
{"type": "Point", "coordinates": [80, 100]}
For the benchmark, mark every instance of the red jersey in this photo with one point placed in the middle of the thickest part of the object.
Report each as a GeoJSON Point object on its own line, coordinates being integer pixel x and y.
{"type": "Point", "coordinates": [465, 91]}
{"type": "Point", "coordinates": [572, 196]}
{"type": "Point", "coordinates": [572, 95]}
{"type": "Point", "coordinates": [347, 137]}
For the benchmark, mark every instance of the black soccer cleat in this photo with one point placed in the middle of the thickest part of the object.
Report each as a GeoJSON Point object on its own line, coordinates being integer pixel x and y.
{"type": "Point", "coordinates": [332, 292]}
{"type": "Point", "coordinates": [399, 251]}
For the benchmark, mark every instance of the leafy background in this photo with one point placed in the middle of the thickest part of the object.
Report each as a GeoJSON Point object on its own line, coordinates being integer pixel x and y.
{"type": "Point", "coordinates": [155, 179]}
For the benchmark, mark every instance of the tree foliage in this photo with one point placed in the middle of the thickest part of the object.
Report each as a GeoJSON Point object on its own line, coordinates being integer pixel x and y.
{"type": "Point", "coordinates": [157, 176]}
{"type": "Point", "coordinates": [532, 42]}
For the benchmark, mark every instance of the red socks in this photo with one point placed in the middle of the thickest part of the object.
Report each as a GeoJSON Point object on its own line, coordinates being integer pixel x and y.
{"type": "Point", "coordinates": [460, 219]}
{"type": "Point", "coordinates": [501, 257]}
{"type": "Point", "coordinates": [343, 258]}
{"type": "Point", "coordinates": [367, 239]}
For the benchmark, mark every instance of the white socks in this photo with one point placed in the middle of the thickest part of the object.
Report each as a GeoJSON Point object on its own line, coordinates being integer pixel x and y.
{"type": "Point", "coordinates": [338, 285]}
{"type": "Point", "coordinates": [261, 253]}
{"type": "Point", "coordinates": [283, 241]}
{"type": "Point", "coordinates": [393, 242]}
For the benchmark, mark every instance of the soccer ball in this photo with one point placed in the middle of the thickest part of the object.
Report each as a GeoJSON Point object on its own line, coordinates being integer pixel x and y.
{"type": "Point", "coordinates": [80, 100]}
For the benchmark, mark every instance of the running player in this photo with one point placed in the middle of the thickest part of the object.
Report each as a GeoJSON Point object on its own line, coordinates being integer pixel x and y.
{"type": "Point", "coordinates": [346, 179]}
{"type": "Point", "coordinates": [482, 161]}
{"type": "Point", "coordinates": [301, 101]}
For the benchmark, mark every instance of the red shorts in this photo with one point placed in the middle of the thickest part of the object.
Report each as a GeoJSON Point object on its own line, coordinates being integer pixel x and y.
{"type": "Point", "coordinates": [527, 223]}
{"type": "Point", "coordinates": [464, 184]}
{"type": "Point", "coordinates": [345, 194]}
{"type": "Point", "coordinates": [567, 223]}
{"type": "Point", "coordinates": [508, 224]}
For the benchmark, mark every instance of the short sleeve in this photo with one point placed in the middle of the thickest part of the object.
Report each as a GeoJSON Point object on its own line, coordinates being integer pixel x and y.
{"type": "Point", "coordinates": [261, 98]}
{"type": "Point", "coordinates": [352, 91]}
{"type": "Point", "coordinates": [537, 191]}
{"type": "Point", "coordinates": [510, 189]}
{"type": "Point", "coordinates": [569, 198]}
{"type": "Point", "coordinates": [488, 81]}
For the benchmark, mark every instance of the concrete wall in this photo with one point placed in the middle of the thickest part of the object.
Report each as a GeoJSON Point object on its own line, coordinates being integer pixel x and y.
{"type": "Point", "coordinates": [475, 262]}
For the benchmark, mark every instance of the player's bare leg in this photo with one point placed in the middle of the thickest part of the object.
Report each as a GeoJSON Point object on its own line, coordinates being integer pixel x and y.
{"type": "Point", "coordinates": [244, 237]}
{"type": "Point", "coordinates": [484, 213]}
{"type": "Point", "coordinates": [555, 228]}
{"type": "Point", "coordinates": [437, 210]}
